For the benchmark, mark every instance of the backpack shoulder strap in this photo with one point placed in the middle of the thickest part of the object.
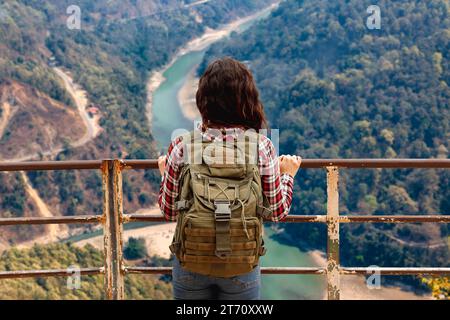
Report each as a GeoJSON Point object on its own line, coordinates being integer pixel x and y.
{"type": "Point", "coordinates": [183, 203]}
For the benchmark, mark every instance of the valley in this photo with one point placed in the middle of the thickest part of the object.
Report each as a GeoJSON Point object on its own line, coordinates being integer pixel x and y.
{"type": "Point", "coordinates": [333, 88]}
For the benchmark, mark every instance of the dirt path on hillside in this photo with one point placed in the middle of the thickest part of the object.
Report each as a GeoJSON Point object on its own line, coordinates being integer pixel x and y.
{"type": "Point", "coordinates": [7, 114]}
{"type": "Point", "coordinates": [425, 245]}
{"type": "Point", "coordinates": [54, 231]}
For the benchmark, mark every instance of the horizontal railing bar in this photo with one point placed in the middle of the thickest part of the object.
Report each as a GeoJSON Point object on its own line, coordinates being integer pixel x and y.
{"type": "Point", "coordinates": [312, 270]}
{"type": "Point", "coordinates": [157, 218]}
{"type": "Point", "coordinates": [343, 163]}
{"type": "Point", "coordinates": [395, 219]}
{"type": "Point", "coordinates": [50, 220]}
{"type": "Point", "coordinates": [50, 165]}
{"type": "Point", "coordinates": [153, 164]}
{"type": "Point", "coordinates": [395, 271]}
{"type": "Point", "coordinates": [49, 273]}
{"type": "Point", "coordinates": [160, 218]}
{"type": "Point", "coordinates": [140, 164]}
{"type": "Point", "coordinates": [264, 270]}
{"type": "Point", "coordinates": [320, 218]}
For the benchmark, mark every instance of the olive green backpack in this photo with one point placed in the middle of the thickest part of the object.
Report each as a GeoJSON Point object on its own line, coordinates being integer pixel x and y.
{"type": "Point", "coordinates": [220, 207]}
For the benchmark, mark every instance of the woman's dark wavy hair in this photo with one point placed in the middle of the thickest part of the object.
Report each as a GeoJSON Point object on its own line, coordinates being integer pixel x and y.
{"type": "Point", "coordinates": [227, 96]}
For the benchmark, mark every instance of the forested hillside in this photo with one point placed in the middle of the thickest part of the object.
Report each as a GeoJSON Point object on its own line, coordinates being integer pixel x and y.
{"type": "Point", "coordinates": [111, 57]}
{"type": "Point", "coordinates": [62, 256]}
{"type": "Point", "coordinates": [336, 89]}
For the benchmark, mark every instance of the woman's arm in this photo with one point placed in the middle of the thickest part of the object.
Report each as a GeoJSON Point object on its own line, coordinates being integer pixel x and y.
{"type": "Point", "coordinates": [277, 185]}
{"type": "Point", "coordinates": [170, 168]}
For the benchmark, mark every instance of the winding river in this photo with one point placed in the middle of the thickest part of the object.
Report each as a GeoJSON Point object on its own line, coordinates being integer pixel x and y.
{"type": "Point", "coordinates": [167, 115]}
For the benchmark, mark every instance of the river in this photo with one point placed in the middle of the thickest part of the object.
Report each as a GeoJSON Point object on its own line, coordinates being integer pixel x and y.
{"type": "Point", "coordinates": [167, 116]}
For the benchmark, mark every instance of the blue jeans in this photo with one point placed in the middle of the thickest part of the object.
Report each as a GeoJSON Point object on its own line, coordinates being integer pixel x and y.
{"type": "Point", "coordinates": [193, 286]}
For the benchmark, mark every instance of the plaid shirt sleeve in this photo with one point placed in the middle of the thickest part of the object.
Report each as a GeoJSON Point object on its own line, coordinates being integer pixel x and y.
{"type": "Point", "coordinates": [278, 188]}
{"type": "Point", "coordinates": [170, 183]}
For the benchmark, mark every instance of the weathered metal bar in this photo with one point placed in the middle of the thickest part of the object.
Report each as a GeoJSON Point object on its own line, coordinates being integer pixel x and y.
{"type": "Point", "coordinates": [323, 163]}
{"type": "Point", "coordinates": [160, 218]}
{"type": "Point", "coordinates": [50, 220]}
{"type": "Point", "coordinates": [312, 270]}
{"type": "Point", "coordinates": [395, 219]}
{"type": "Point", "coordinates": [264, 270]}
{"type": "Point", "coordinates": [48, 273]}
{"type": "Point", "coordinates": [293, 270]}
{"type": "Point", "coordinates": [291, 219]}
{"type": "Point", "coordinates": [153, 164]}
{"type": "Point", "coordinates": [333, 281]}
{"type": "Point", "coordinates": [112, 208]}
{"type": "Point", "coordinates": [320, 218]}
{"type": "Point", "coordinates": [140, 164]}
{"type": "Point", "coordinates": [50, 165]}
{"type": "Point", "coordinates": [377, 163]}
{"type": "Point", "coordinates": [396, 271]}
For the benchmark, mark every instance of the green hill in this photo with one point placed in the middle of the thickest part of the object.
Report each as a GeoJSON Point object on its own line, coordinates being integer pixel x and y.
{"type": "Point", "coordinates": [336, 89]}
{"type": "Point", "coordinates": [62, 256]}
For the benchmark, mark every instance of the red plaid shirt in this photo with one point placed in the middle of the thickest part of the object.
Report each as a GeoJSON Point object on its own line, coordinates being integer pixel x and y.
{"type": "Point", "coordinates": [277, 188]}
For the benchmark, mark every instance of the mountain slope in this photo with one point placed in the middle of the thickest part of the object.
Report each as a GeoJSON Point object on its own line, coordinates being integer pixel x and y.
{"type": "Point", "coordinates": [29, 121]}
{"type": "Point", "coordinates": [337, 89]}
{"type": "Point", "coordinates": [119, 44]}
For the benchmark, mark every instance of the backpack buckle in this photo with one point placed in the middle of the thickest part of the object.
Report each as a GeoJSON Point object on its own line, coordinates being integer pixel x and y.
{"type": "Point", "coordinates": [223, 211]}
{"type": "Point", "coordinates": [183, 205]}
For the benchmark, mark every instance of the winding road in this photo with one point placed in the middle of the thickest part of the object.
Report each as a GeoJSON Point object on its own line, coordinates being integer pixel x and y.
{"type": "Point", "coordinates": [81, 101]}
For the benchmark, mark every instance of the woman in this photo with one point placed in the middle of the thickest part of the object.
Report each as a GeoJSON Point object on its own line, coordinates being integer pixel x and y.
{"type": "Point", "coordinates": [228, 101]}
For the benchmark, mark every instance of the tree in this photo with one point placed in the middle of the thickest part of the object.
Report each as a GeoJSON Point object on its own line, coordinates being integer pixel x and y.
{"type": "Point", "coordinates": [135, 249]}
{"type": "Point", "coordinates": [440, 287]}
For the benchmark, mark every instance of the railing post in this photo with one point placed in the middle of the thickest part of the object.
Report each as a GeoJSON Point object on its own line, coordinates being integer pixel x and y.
{"type": "Point", "coordinates": [333, 279]}
{"type": "Point", "coordinates": [112, 229]}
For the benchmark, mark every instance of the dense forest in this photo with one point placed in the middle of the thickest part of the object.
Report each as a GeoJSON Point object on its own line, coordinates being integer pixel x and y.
{"type": "Point", "coordinates": [62, 256]}
{"type": "Point", "coordinates": [336, 89]}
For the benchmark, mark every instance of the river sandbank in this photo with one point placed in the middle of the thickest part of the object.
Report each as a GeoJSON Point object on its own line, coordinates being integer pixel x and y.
{"type": "Point", "coordinates": [157, 237]}
{"type": "Point", "coordinates": [354, 287]}
{"type": "Point", "coordinates": [186, 97]}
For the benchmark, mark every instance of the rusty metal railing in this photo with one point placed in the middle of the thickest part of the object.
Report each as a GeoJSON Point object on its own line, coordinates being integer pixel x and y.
{"type": "Point", "coordinates": [113, 218]}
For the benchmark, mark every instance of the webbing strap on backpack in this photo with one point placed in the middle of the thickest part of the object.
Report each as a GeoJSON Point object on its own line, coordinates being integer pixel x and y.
{"type": "Point", "coordinates": [222, 215]}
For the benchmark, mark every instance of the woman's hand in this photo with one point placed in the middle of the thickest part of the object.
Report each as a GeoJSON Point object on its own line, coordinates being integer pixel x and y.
{"type": "Point", "coordinates": [162, 164]}
{"type": "Point", "coordinates": [290, 164]}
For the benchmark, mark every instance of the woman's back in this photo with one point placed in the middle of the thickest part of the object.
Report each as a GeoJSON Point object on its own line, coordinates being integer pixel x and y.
{"type": "Point", "coordinates": [219, 205]}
